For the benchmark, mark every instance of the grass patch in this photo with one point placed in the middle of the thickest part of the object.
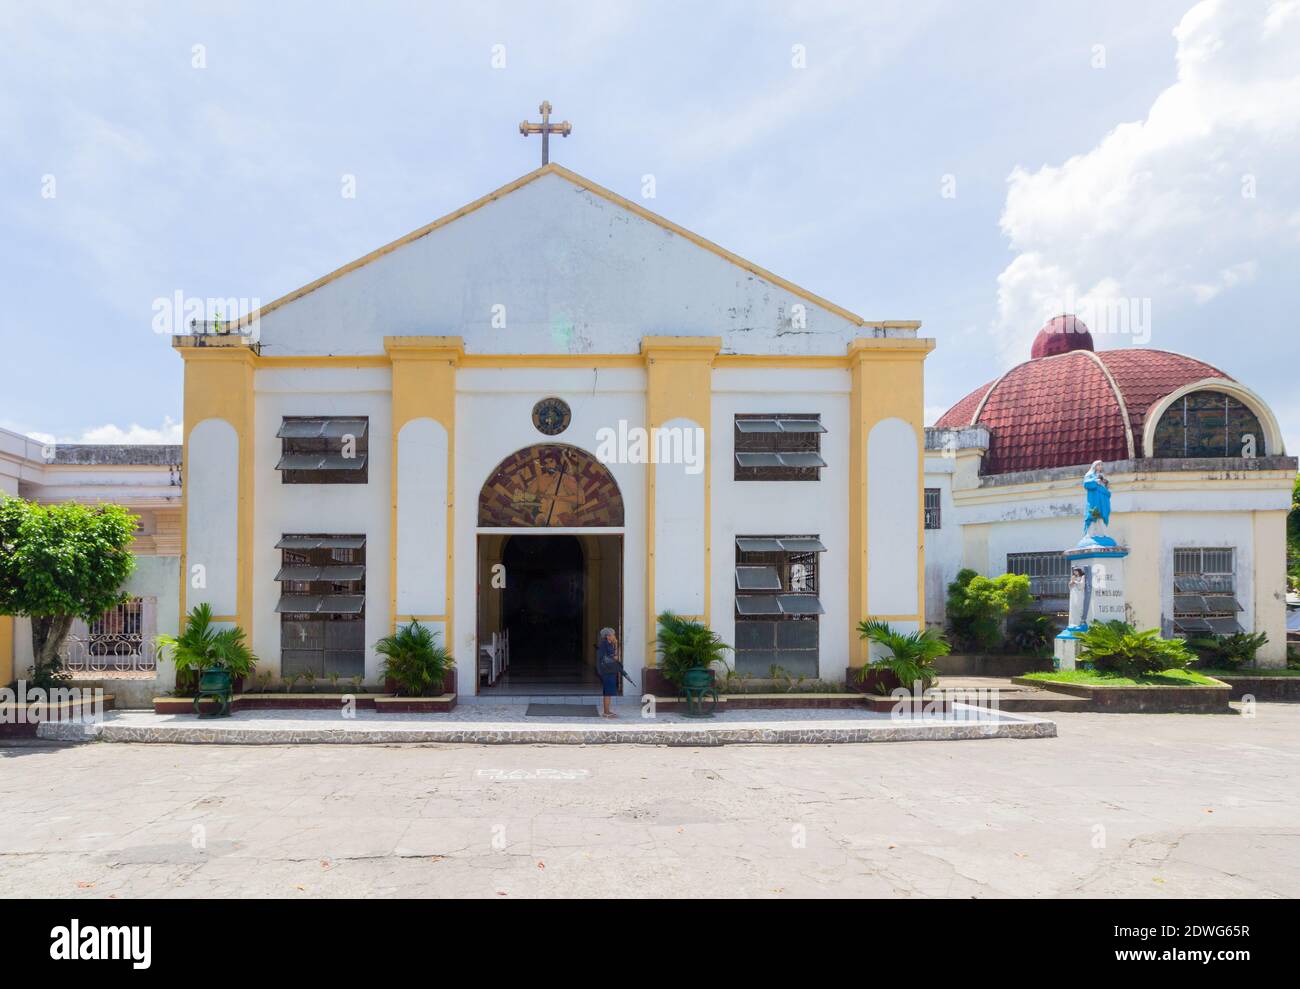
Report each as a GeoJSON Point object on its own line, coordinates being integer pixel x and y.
{"type": "Point", "coordinates": [1248, 672]}
{"type": "Point", "coordinates": [1093, 678]}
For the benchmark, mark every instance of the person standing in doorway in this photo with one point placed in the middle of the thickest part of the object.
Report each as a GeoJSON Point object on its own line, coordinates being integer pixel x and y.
{"type": "Point", "coordinates": [609, 668]}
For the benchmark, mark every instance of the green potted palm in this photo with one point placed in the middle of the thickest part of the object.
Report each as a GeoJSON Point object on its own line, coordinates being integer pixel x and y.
{"type": "Point", "coordinates": [415, 665]}
{"type": "Point", "coordinates": [687, 650]}
{"type": "Point", "coordinates": [910, 660]}
{"type": "Point", "coordinates": [215, 660]}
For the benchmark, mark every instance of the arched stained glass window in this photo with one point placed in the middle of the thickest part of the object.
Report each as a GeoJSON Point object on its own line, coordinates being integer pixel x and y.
{"type": "Point", "coordinates": [1208, 424]}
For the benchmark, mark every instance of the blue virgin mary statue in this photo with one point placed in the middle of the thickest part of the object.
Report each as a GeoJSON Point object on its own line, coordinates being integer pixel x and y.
{"type": "Point", "coordinates": [1097, 489]}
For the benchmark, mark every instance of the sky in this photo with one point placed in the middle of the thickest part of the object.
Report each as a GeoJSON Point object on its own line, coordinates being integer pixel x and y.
{"type": "Point", "coordinates": [979, 166]}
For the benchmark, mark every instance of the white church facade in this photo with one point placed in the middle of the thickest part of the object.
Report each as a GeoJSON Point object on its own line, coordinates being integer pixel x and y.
{"type": "Point", "coordinates": [550, 412]}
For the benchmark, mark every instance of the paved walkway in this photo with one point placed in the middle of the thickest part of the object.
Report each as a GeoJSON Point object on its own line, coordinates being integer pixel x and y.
{"type": "Point", "coordinates": [507, 723]}
{"type": "Point", "coordinates": [1165, 806]}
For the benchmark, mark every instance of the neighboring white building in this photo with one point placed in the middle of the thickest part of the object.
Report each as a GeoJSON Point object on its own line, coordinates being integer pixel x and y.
{"type": "Point", "coordinates": [1200, 485]}
{"type": "Point", "coordinates": [147, 481]}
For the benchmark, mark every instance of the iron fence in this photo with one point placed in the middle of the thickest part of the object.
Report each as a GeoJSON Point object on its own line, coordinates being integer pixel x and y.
{"type": "Point", "coordinates": [121, 652]}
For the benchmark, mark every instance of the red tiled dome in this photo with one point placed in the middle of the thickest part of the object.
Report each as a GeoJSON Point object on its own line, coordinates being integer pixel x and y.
{"type": "Point", "coordinates": [1060, 335]}
{"type": "Point", "coordinates": [1069, 409]}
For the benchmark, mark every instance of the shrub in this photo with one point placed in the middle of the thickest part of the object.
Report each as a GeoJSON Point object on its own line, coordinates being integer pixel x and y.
{"type": "Point", "coordinates": [414, 661]}
{"type": "Point", "coordinates": [1117, 647]}
{"type": "Point", "coordinates": [977, 606]}
{"type": "Point", "coordinates": [912, 654]}
{"type": "Point", "coordinates": [1227, 652]}
{"type": "Point", "coordinates": [201, 647]}
{"type": "Point", "coordinates": [1030, 632]}
{"type": "Point", "coordinates": [685, 645]}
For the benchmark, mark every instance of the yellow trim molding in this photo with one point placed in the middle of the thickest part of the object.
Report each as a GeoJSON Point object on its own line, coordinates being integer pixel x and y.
{"type": "Point", "coordinates": [679, 385]}
{"type": "Point", "coordinates": [6, 650]}
{"type": "Point", "coordinates": [219, 385]}
{"type": "Point", "coordinates": [424, 386]}
{"type": "Point", "coordinates": [887, 382]}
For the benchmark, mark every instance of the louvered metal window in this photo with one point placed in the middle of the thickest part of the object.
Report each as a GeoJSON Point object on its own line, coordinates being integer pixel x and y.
{"type": "Point", "coordinates": [324, 450]}
{"type": "Point", "coordinates": [778, 447]}
{"type": "Point", "coordinates": [932, 508]}
{"type": "Point", "coordinates": [777, 607]}
{"type": "Point", "coordinates": [1205, 593]}
{"type": "Point", "coordinates": [322, 604]}
{"type": "Point", "coordinates": [1049, 579]}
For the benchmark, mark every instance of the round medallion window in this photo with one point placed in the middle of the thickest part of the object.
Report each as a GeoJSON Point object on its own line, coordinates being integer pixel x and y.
{"type": "Point", "coordinates": [551, 416]}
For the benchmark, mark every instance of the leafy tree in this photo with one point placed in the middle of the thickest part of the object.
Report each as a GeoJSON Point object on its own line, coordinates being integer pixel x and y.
{"type": "Point", "coordinates": [977, 606]}
{"type": "Point", "coordinates": [59, 563]}
{"type": "Point", "coordinates": [1117, 647]}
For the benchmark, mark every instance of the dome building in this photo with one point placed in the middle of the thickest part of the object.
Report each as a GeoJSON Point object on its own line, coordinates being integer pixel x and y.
{"type": "Point", "coordinates": [1199, 477]}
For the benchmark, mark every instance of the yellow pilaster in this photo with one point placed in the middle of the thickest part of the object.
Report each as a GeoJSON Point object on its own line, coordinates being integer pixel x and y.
{"type": "Point", "coordinates": [1270, 585]}
{"type": "Point", "coordinates": [219, 384]}
{"type": "Point", "coordinates": [1144, 582]}
{"type": "Point", "coordinates": [679, 385]}
{"type": "Point", "coordinates": [6, 650]}
{"type": "Point", "coordinates": [424, 386]}
{"type": "Point", "coordinates": [887, 382]}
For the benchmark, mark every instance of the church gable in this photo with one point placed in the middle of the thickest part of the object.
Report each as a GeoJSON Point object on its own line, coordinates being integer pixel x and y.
{"type": "Point", "coordinates": [553, 264]}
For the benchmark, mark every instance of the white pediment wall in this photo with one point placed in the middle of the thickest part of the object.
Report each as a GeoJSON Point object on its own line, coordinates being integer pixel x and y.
{"type": "Point", "coordinates": [575, 272]}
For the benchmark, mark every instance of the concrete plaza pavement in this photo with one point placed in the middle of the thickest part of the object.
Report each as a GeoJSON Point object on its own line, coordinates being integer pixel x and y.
{"type": "Point", "coordinates": [1116, 805]}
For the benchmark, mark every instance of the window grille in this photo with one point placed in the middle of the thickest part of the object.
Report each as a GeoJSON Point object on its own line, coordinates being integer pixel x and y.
{"type": "Point", "coordinates": [120, 640]}
{"type": "Point", "coordinates": [119, 631]}
{"type": "Point", "coordinates": [322, 605]}
{"type": "Point", "coordinates": [932, 519]}
{"type": "Point", "coordinates": [1049, 578]}
{"type": "Point", "coordinates": [778, 447]}
{"type": "Point", "coordinates": [1205, 593]}
{"type": "Point", "coordinates": [777, 607]}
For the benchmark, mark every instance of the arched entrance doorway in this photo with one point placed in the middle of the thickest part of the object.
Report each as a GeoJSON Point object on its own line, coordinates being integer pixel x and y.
{"type": "Point", "coordinates": [550, 555]}
{"type": "Point", "coordinates": [542, 606]}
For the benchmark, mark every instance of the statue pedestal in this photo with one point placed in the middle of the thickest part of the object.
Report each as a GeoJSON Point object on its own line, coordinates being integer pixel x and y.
{"type": "Point", "coordinates": [1096, 594]}
{"type": "Point", "coordinates": [1064, 651]}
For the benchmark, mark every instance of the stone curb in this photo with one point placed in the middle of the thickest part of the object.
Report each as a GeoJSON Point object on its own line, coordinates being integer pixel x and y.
{"type": "Point", "coordinates": [689, 736]}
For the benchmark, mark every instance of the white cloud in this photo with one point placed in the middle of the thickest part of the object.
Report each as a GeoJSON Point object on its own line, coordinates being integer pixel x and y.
{"type": "Point", "coordinates": [109, 433]}
{"type": "Point", "coordinates": [168, 432]}
{"type": "Point", "coordinates": [1175, 209]}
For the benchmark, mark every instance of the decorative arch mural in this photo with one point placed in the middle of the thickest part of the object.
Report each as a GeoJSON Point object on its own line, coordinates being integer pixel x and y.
{"type": "Point", "coordinates": [550, 484]}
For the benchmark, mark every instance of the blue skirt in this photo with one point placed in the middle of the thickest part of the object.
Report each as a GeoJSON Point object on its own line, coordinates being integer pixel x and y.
{"type": "Point", "coordinates": [609, 684]}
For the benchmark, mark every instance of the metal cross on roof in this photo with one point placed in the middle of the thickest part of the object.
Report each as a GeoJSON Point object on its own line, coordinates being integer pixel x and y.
{"type": "Point", "coordinates": [546, 129]}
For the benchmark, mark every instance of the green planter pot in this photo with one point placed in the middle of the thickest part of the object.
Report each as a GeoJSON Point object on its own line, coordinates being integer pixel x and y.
{"type": "Point", "coordinates": [216, 685]}
{"type": "Point", "coordinates": [697, 679]}
{"type": "Point", "coordinates": [215, 681]}
{"type": "Point", "coordinates": [696, 685]}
